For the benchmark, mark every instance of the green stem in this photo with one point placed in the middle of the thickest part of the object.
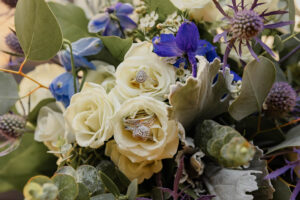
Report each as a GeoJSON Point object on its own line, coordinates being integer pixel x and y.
{"type": "Point", "coordinates": [67, 42]}
{"type": "Point", "coordinates": [83, 79]}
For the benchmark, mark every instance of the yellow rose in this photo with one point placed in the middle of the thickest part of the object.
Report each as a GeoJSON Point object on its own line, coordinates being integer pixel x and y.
{"type": "Point", "coordinates": [88, 116]}
{"type": "Point", "coordinates": [143, 130]}
{"type": "Point", "coordinates": [143, 73]}
{"type": "Point", "coordinates": [44, 74]}
{"type": "Point", "coordinates": [140, 171]}
{"type": "Point", "coordinates": [50, 128]}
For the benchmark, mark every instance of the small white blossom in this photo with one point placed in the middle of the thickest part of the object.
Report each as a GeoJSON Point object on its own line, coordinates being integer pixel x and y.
{"type": "Point", "coordinates": [147, 22]}
{"type": "Point", "coordinates": [172, 24]}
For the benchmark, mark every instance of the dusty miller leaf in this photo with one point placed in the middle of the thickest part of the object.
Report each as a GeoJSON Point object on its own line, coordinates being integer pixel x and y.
{"type": "Point", "coordinates": [229, 184]}
{"type": "Point", "coordinates": [265, 187]}
{"type": "Point", "coordinates": [199, 97]}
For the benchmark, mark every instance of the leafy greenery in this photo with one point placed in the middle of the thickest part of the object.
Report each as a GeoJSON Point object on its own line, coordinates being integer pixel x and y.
{"type": "Point", "coordinates": [37, 30]}
{"type": "Point", "coordinates": [72, 20]}
{"type": "Point", "coordinates": [258, 79]}
{"type": "Point", "coordinates": [8, 92]}
{"type": "Point", "coordinates": [163, 8]}
{"type": "Point", "coordinates": [30, 159]}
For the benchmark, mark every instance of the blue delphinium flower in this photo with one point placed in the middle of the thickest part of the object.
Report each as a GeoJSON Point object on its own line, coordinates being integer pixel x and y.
{"type": "Point", "coordinates": [62, 88]}
{"type": "Point", "coordinates": [114, 21]}
{"type": "Point", "coordinates": [81, 48]}
{"type": "Point", "coordinates": [186, 43]}
{"type": "Point", "coordinates": [289, 166]}
{"type": "Point", "coordinates": [246, 24]}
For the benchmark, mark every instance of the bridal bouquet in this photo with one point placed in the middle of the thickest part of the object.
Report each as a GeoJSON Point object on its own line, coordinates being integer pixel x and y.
{"type": "Point", "coordinates": [151, 99]}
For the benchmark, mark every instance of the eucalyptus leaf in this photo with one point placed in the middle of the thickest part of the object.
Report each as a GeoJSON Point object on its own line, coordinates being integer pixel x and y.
{"type": "Point", "coordinates": [30, 159]}
{"type": "Point", "coordinates": [8, 92]}
{"type": "Point", "coordinates": [258, 79]}
{"type": "Point", "coordinates": [68, 170]}
{"type": "Point", "coordinates": [278, 44]}
{"type": "Point", "coordinates": [88, 175]}
{"type": "Point", "coordinates": [108, 196]}
{"type": "Point", "coordinates": [37, 30]}
{"type": "Point", "coordinates": [282, 191]}
{"type": "Point", "coordinates": [72, 20]}
{"type": "Point", "coordinates": [109, 184]}
{"type": "Point", "coordinates": [116, 46]}
{"type": "Point", "coordinates": [292, 140]}
{"type": "Point", "coordinates": [83, 193]}
{"type": "Point", "coordinates": [33, 115]}
{"type": "Point", "coordinates": [132, 190]}
{"type": "Point", "coordinates": [68, 188]}
{"type": "Point", "coordinates": [162, 7]}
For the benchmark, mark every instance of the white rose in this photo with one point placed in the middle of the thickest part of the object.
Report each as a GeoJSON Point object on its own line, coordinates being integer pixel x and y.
{"type": "Point", "coordinates": [44, 74]}
{"type": "Point", "coordinates": [104, 75]}
{"type": "Point", "coordinates": [189, 4]}
{"type": "Point", "coordinates": [143, 130]}
{"type": "Point", "coordinates": [50, 128]}
{"type": "Point", "coordinates": [143, 73]}
{"type": "Point", "coordinates": [88, 116]}
{"type": "Point", "coordinates": [140, 171]}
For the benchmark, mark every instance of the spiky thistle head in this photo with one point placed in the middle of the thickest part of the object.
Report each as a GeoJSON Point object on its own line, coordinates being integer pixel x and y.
{"type": "Point", "coordinates": [246, 24]}
{"type": "Point", "coordinates": [10, 3]}
{"type": "Point", "coordinates": [281, 100]}
{"type": "Point", "coordinates": [13, 43]}
{"type": "Point", "coordinates": [12, 125]}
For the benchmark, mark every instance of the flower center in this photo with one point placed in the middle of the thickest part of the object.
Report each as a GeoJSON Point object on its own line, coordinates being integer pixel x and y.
{"type": "Point", "coordinates": [140, 125]}
{"type": "Point", "coordinates": [246, 24]}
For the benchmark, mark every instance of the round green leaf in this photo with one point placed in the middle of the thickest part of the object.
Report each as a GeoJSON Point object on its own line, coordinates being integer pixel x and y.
{"type": "Point", "coordinates": [109, 184]}
{"type": "Point", "coordinates": [132, 190]}
{"type": "Point", "coordinates": [68, 170]}
{"type": "Point", "coordinates": [84, 193]}
{"type": "Point", "coordinates": [68, 188]}
{"type": "Point", "coordinates": [258, 79]}
{"type": "Point", "coordinates": [88, 175]}
{"type": "Point", "coordinates": [72, 20]}
{"type": "Point", "coordinates": [37, 30]}
{"type": "Point", "coordinates": [108, 196]}
{"type": "Point", "coordinates": [8, 92]}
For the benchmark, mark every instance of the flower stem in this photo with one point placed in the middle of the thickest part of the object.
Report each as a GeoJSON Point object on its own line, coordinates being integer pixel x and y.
{"type": "Point", "coordinates": [67, 42]}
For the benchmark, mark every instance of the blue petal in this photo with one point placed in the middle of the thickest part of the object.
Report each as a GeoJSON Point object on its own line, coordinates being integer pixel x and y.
{"type": "Point", "coordinates": [62, 88]}
{"type": "Point", "coordinates": [87, 46]}
{"type": "Point", "coordinates": [124, 8]}
{"type": "Point", "coordinates": [126, 22]}
{"type": "Point", "coordinates": [112, 29]}
{"type": "Point", "coordinates": [79, 61]}
{"type": "Point", "coordinates": [165, 46]}
{"type": "Point", "coordinates": [180, 61]}
{"type": "Point", "coordinates": [187, 37]}
{"type": "Point", "coordinates": [236, 77]}
{"type": "Point", "coordinates": [206, 49]}
{"type": "Point", "coordinates": [98, 23]}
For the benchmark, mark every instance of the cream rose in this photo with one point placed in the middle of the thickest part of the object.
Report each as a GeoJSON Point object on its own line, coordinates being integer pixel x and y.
{"type": "Point", "coordinates": [88, 116]}
{"type": "Point", "coordinates": [143, 130]}
{"type": "Point", "coordinates": [44, 74]}
{"type": "Point", "coordinates": [140, 171]}
{"type": "Point", "coordinates": [104, 75]}
{"type": "Point", "coordinates": [143, 73]}
{"type": "Point", "coordinates": [50, 128]}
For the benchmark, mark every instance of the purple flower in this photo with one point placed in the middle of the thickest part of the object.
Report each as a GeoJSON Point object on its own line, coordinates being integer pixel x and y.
{"type": "Point", "coordinates": [186, 43]}
{"type": "Point", "coordinates": [62, 88]}
{"type": "Point", "coordinates": [245, 25]}
{"type": "Point", "coordinates": [290, 166]}
{"type": "Point", "coordinates": [81, 48]}
{"type": "Point", "coordinates": [114, 21]}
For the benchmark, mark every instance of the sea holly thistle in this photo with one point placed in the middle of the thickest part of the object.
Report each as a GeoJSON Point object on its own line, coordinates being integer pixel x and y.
{"type": "Point", "coordinates": [246, 24]}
